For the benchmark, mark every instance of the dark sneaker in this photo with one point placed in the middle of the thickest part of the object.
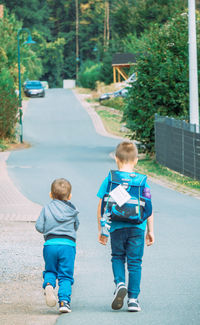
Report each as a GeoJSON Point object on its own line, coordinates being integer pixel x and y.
{"type": "Point", "coordinates": [50, 296]}
{"type": "Point", "coordinates": [119, 296]}
{"type": "Point", "coordinates": [64, 307]}
{"type": "Point", "coordinates": [133, 305]}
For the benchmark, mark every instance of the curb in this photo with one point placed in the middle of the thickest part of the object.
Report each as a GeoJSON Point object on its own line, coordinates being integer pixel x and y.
{"type": "Point", "coordinates": [97, 121]}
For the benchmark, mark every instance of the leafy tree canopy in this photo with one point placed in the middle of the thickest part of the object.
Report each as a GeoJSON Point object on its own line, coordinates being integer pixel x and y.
{"type": "Point", "coordinates": [162, 84]}
{"type": "Point", "coordinates": [57, 19]}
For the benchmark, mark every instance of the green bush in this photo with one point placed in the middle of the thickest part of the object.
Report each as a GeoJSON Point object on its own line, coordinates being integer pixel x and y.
{"type": "Point", "coordinates": [89, 74]}
{"type": "Point", "coordinates": [162, 84]}
{"type": "Point", "coordinates": [106, 72]}
{"type": "Point", "coordinates": [8, 105]}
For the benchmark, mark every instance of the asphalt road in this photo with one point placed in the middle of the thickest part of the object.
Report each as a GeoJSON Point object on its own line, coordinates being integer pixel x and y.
{"type": "Point", "coordinates": [65, 144]}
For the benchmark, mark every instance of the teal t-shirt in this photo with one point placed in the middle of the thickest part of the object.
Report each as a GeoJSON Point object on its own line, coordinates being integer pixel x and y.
{"type": "Point", "coordinates": [119, 224]}
{"type": "Point", "coordinates": [60, 241]}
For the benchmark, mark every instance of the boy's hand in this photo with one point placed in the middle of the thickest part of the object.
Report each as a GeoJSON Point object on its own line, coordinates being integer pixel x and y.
{"type": "Point", "coordinates": [150, 238]}
{"type": "Point", "coordinates": [103, 239]}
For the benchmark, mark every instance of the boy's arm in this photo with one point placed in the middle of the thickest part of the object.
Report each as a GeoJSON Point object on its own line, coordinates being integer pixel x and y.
{"type": "Point", "coordinates": [102, 239]}
{"type": "Point", "coordinates": [40, 222]}
{"type": "Point", "coordinates": [76, 224]}
{"type": "Point", "coordinates": [150, 231]}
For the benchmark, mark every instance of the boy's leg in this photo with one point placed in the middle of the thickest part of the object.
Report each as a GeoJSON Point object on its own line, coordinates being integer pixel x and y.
{"type": "Point", "coordinates": [49, 275]}
{"type": "Point", "coordinates": [118, 239]}
{"type": "Point", "coordinates": [118, 249]}
{"type": "Point", "coordinates": [134, 251]}
{"type": "Point", "coordinates": [65, 272]}
{"type": "Point", "coordinates": [50, 258]}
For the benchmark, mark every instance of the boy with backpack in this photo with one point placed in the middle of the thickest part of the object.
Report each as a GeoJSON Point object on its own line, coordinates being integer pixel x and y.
{"type": "Point", "coordinates": [124, 212]}
{"type": "Point", "coordinates": [58, 222]}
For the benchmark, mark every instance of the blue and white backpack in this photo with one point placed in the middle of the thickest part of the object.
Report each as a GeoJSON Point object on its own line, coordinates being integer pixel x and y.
{"type": "Point", "coordinates": [138, 208]}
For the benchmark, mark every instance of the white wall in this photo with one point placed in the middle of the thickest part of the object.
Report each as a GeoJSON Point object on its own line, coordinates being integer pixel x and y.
{"type": "Point", "coordinates": [67, 83]}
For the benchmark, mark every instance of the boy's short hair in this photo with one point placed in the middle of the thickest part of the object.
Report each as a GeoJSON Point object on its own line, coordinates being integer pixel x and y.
{"type": "Point", "coordinates": [61, 189]}
{"type": "Point", "coordinates": [126, 151]}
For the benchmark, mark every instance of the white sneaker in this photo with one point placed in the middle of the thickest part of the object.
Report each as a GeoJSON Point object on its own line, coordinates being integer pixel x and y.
{"type": "Point", "coordinates": [50, 296]}
{"type": "Point", "coordinates": [119, 296]}
{"type": "Point", "coordinates": [64, 307]}
{"type": "Point", "coordinates": [133, 305]}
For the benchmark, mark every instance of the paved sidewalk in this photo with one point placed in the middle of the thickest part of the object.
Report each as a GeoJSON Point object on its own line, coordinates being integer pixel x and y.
{"type": "Point", "coordinates": [21, 294]}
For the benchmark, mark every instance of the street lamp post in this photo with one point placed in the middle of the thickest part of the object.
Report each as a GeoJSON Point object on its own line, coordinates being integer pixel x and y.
{"type": "Point", "coordinates": [29, 41]}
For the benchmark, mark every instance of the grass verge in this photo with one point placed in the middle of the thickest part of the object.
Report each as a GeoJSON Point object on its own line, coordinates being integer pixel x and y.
{"type": "Point", "coordinates": [112, 120]}
{"type": "Point", "coordinates": [117, 103]}
{"type": "Point", "coordinates": [152, 168]}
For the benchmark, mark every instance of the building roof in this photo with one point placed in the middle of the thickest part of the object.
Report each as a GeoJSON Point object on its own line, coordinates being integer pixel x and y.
{"type": "Point", "coordinates": [124, 58]}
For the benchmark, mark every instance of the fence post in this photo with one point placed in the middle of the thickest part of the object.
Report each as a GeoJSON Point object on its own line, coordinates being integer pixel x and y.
{"type": "Point", "coordinates": [155, 128]}
{"type": "Point", "coordinates": [183, 148]}
{"type": "Point", "coordinates": [194, 153]}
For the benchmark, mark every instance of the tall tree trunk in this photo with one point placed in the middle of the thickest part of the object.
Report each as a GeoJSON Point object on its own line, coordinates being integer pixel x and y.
{"type": "Point", "coordinates": [108, 26]}
{"type": "Point", "coordinates": [105, 33]}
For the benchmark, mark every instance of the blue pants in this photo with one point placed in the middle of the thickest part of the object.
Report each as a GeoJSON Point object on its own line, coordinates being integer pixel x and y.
{"type": "Point", "coordinates": [59, 264]}
{"type": "Point", "coordinates": [127, 244]}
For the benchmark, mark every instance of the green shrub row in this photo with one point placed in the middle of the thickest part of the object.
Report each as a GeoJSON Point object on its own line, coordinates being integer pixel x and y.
{"type": "Point", "coordinates": [8, 105]}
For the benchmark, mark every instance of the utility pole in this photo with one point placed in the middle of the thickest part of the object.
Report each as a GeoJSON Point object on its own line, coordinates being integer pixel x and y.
{"type": "Point", "coordinates": [77, 40]}
{"type": "Point", "coordinates": [193, 76]}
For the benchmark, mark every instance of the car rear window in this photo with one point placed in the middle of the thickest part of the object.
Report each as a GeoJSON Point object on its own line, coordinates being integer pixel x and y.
{"type": "Point", "coordinates": [34, 84]}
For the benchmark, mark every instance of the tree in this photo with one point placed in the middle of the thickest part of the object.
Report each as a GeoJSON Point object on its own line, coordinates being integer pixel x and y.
{"type": "Point", "coordinates": [162, 84]}
{"type": "Point", "coordinates": [136, 16]}
{"type": "Point", "coordinates": [33, 14]}
{"type": "Point", "coordinates": [89, 74]}
{"type": "Point", "coordinates": [30, 64]}
{"type": "Point", "coordinates": [30, 68]}
{"type": "Point", "coordinates": [104, 25]}
{"type": "Point", "coordinates": [51, 55]}
{"type": "Point", "coordinates": [8, 105]}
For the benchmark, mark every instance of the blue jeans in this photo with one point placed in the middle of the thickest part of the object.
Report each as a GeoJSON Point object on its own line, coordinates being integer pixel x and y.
{"type": "Point", "coordinates": [127, 244]}
{"type": "Point", "coordinates": [59, 264]}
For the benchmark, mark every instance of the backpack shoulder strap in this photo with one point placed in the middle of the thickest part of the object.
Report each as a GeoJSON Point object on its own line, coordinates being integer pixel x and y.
{"type": "Point", "coordinates": [139, 180]}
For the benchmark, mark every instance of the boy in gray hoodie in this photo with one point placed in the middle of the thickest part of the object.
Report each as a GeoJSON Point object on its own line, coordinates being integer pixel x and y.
{"type": "Point", "coordinates": [58, 222]}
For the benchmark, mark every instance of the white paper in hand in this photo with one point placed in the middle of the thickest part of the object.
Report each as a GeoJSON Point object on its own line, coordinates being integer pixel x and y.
{"type": "Point", "coordinates": [120, 195]}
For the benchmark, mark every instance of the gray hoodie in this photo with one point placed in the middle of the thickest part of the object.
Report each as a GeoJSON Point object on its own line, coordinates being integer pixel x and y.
{"type": "Point", "coordinates": [59, 219]}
